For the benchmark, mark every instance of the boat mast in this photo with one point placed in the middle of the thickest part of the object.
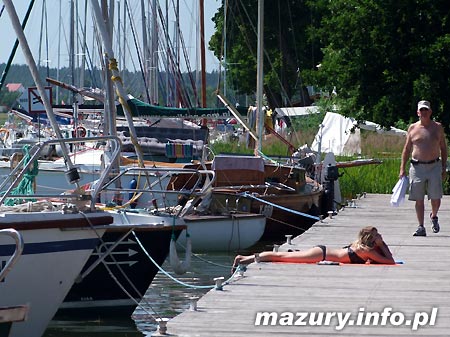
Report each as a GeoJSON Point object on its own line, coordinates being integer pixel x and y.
{"type": "Point", "coordinates": [225, 10]}
{"type": "Point", "coordinates": [168, 63]}
{"type": "Point", "coordinates": [177, 52]}
{"type": "Point", "coordinates": [154, 49]}
{"type": "Point", "coordinates": [39, 84]}
{"type": "Point", "coordinates": [107, 43]}
{"type": "Point", "coordinates": [59, 51]}
{"type": "Point", "coordinates": [119, 29]}
{"type": "Point", "coordinates": [83, 47]}
{"type": "Point", "coordinates": [72, 48]}
{"type": "Point", "coordinates": [109, 105]}
{"type": "Point", "coordinates": [202, 52]}
{"type": "Point", "coordinates": [148, 60]}
{"type": "Point", "coordinates": [124, 41]}
{"type": "Point", "coordinates": [259, 77]}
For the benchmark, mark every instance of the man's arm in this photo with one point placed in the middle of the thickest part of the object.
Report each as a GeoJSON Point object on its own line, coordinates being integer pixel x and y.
{"type": "Point", "coordinates": [406, 152]}
{"type": "Point", "coordinates": [444, 150]}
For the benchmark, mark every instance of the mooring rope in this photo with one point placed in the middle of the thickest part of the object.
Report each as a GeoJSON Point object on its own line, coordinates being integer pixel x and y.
{"type": "Point", "coordinates": [280, 207]}
{"type": "Point", "coordinates": [167, 273]}
{"type": "Point", "coordinates": [155, 315]}
{"type": "Point", "coordinates": [175, 279]}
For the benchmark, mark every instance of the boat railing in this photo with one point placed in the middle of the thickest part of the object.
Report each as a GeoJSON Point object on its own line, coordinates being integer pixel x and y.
{"type": "Point", "coordinates": [16, 313]}
{"type": "Point", "coordinates": [201, 181]}
{"type": "Point", "coordinates": [25, 166]}
{"type": "Point", "coordinates": [17, 237]}
{"type": "Point", "coordinates": [266, 186]}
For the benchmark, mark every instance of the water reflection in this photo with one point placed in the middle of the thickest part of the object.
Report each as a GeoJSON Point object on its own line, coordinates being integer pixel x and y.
{"type": "Point", "coordinates": [73, 328]}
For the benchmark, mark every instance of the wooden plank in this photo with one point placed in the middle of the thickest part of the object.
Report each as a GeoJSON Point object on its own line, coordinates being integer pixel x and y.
{"type": "Point", "coordinates": [415, 287]}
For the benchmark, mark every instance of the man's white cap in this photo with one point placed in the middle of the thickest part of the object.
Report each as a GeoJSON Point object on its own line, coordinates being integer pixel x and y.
{"type": "Point", "coordinates": [423, 104]}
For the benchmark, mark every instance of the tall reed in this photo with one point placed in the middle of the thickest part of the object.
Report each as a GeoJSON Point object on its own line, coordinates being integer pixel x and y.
{"type": "Point", "coordinates": [379, 178]}
{"type": "Point", "coordinates": [376, 178]}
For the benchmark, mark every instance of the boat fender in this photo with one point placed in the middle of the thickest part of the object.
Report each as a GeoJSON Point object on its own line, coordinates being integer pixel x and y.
{"type": "Point", "coordinates": [133, 185]}
{"type": "Point", "coordinates": [180, 267]}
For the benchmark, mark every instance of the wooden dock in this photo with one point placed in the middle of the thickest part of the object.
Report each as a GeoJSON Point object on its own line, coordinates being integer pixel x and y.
{"type": "Point", "coordinates": [417, 291]}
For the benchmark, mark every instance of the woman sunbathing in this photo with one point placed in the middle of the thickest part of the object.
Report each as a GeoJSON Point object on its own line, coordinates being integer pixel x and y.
{"type": "Point", "coordinates": [369, 247]}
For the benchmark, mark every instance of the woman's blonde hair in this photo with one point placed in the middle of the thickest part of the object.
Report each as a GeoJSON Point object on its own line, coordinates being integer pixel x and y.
{"type": "Point", "coordinates": [366, 237]}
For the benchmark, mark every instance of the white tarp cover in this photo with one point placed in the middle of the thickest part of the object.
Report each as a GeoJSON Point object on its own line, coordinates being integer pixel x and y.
{"type": "Point", "coordinates": [307, 110]}
{"type": "Point", "coordinates": [335, 136]}
{"type": "Point", "coordinates": [371, 126]}
{"type": "Point", "coordinates": [297, 111]}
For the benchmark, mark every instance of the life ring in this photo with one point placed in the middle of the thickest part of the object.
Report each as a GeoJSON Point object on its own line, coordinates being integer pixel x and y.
{"type": "Point", "coordinates": [81, 131]}
{"type": "Point", "coordinates": [6, 134]}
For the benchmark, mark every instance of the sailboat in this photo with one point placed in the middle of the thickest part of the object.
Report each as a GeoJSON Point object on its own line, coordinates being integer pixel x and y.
{"type": "Point", "coordinates": [289, 199]}
{"type": "Point", "coordinates": [88, 245]}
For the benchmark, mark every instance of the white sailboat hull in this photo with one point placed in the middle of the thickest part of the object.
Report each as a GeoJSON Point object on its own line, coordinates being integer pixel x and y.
{"type": "Point", "coordinates": [222, 232]}
{"type": "Point", "coordinates": [207, 232]}
{"type": "Point", "coordinates": [51, 260]}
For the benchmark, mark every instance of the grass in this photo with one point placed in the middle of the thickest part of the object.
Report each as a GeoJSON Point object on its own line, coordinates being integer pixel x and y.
{"type": "Point", "coordinates": [379, 178]}
{"type": "Point", "coordinates": [3, 118]}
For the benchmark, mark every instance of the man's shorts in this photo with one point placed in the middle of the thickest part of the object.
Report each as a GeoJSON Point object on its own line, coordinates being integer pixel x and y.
{"type": "Point", "coordinates": [425, 179]}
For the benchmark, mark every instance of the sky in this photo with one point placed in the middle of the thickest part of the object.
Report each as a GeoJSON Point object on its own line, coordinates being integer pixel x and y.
{"type": "Point", "coordinates": [188, 10]}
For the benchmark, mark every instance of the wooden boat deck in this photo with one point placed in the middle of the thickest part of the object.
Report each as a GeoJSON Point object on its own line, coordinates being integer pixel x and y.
{"type": "Point", "coordinates": [411, 289]}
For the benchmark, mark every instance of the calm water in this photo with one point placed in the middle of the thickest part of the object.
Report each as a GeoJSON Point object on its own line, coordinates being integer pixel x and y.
{"type": "Point", "coordinates": [164, 298]}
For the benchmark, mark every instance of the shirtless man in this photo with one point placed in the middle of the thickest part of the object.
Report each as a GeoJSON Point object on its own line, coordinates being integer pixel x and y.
{"type": "Point", "coordinates": [425, 142]}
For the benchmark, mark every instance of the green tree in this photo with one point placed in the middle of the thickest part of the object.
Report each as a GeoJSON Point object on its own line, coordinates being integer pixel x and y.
{"type": "Point", "coordinates": [385, 55]}
{"type": "Point", "coordinates": [8, 99]}
{"type": "Point", "coordinates": [286, 47]}
{"type": "Point", "coordinates": [382, 56]}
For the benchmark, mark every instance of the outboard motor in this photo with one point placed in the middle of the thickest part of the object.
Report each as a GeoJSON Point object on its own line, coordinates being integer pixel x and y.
{"type": "Point", "coordinates": [331, 175]}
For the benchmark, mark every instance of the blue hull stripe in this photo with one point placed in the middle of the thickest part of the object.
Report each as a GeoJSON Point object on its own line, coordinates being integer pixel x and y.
{"type": "Point", "coordinates": [51, 247]}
